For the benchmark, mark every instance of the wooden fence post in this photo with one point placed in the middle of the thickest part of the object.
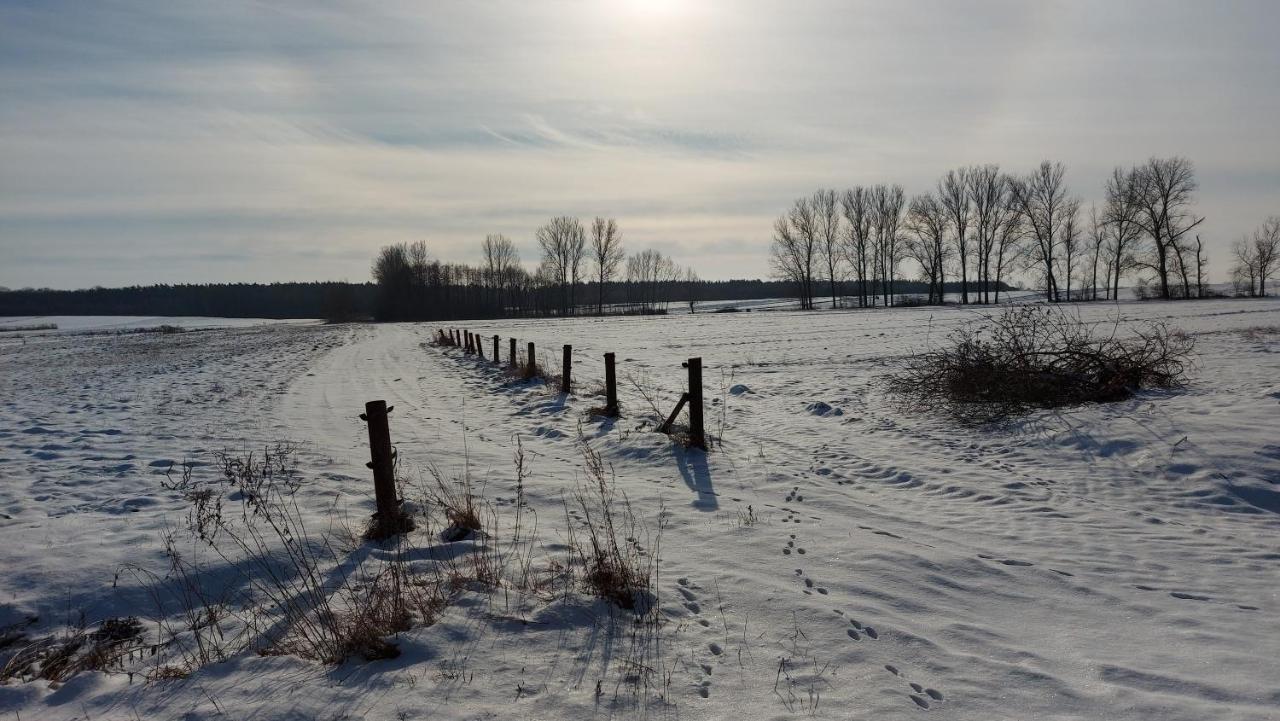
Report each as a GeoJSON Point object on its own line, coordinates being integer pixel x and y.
{"type": "Point", "coordinates": [697, 436]}
{"type": "Point", "coordinates": [511, 357]}
{"type": "Point", "coordinates": [610, 386]}
{"type": "Point", "coordinates": [566, 385]}
{"type": "Point", "coordinates": [480, 346]}
{"type": "Point", "coordinates": [495, 350]}
{"type": "Point", "coordinates": [388, 521]}
{"type": "Point", "coordinates": [531, 364]}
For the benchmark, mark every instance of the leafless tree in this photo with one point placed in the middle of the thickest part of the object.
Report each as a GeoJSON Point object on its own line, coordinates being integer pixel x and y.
{"type": "Point", "coordinates": [953, 194]}
{"type": "Point", "coordinates": [563, 242]}
{"type": "Point", "coordinates": [887, 202]}
{"type": "Point", "coordinates": [1042, 199]}
{"type": "Point", "coordinates": [1097, 243]}
{"type": "Point", "coordinates": [1202, 261]}
{"type": "Point", "coordinates": [826, 212]}
{"type": "Point", "coordinates": [855, 206]}
{"type": "Point", "coordinates": [927, 222]}
{"type": "Point", "coordinates": [692, 289]}
{"type": "Point", "coordinates": [1258, 257]}
{"type": "Point", "coordinates": [500, 257]}
{"type": "Point", "coordinates": [1244, 272]}
{"type": "Point", "coordinates": [1010, 248]}
{"type": "Point", "coordinates": [1072, 244]}
{"type": "Point", "coordinates": [606, 253]}
{"type": "Point", "coordinates": [1165, 191]}
{"type": "Point", "coordinates": [989, 193]}
{"type": "Point", "coordinates": [796, 249]}
{"type": "Point", "coordinates": [1121, 216]}
{"type": "Point", "coordinates": [648, 273]}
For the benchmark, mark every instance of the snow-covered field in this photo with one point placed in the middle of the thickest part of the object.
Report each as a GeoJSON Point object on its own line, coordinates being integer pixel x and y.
{"type": "Point", "coordinates": [1107, 562]}
{"type": "Point", "coordinates": [126, 323]}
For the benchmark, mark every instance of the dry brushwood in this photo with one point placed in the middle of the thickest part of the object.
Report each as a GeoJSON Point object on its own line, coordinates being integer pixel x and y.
{"type": "Point", "coordinates": [1038, 357]}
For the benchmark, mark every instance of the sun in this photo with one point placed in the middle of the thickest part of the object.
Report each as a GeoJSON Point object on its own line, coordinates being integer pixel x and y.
{"type": "Point", "coordinates": [654, 9]}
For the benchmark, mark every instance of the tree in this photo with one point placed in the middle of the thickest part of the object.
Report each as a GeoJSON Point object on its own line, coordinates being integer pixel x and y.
{"type": "Point", "coordinates": [1010, 250]}
{"type": "Point", "coordinates": [953, 194]}
{"type": "Point", "coordinates": [989, 192]}
{"type": "Point", "coordinates": [1202, 261]}
{"type": "Point", "coordinates": [887, 202]}
{"type": "Point", "coordinates": [826, 214]}
{"type": "Point", "coordinates": [855, 206]}
{"type": "Point", "coordinates": [692, 286]}
{"type": "Point", "coordinates": [1259, 257]}
{"type": "Point", "coordinates": [794, 254]}
{"type": "Point", "coordinates": [1097, 242]}
{"type": "Point", "coordinates": [606, 253]}
{"type": "Point", "coordinates": [563, 243]}
{"type": "Point", "coordinates": [1165, 190]}
{"type": "Point", "coordinates": [1042, 199]}
{"type": "Point", "coordinates": [927, 221]}
{"type": "Point", "coordinates": [500, 257]}
{"type": "Point", "coordinates": [1121, 217]}
{"type": "Point", "coordinates": [1071, 244]}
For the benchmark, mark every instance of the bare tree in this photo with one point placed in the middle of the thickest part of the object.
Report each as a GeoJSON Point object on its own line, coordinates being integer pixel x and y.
{"type": "Point", "coordinates": [1202, 261]}
{"type": "Point", "coordinates": [826, 214]}
{"type": "Point", "coordinates": [1097, 243]}
{"type": "Point", "coordinates": [989, 193]}
{"type": "Point", "coordinates": [1264, 252]}
{"type": "Point", "coordinates": [927, 221]}
{"type": "Point", "coordinates": [606, 253]}
{"type": "Point", "coordinates": [1010, 250]}
{"type": "Point", "coordinates": [887, 203]}
{"type": "Point", "coordinates": [953, 193]}
{"type": "Point", "coordinates": [692, 289]}
{"type": "Point", "coordinates": [1072, 243]}
{"type": "Point", "coordinates": [563, 243]}
{"type": "Point", "coordinates": [1121, 217]}
{"type": "Point", "coordinates": [855, 205]}
{"type": "Point", "coordinates": [500, 257]}
{"type": "Point", "coordinates": [794, 255]}
{"type": "Point", "coordinates": [1165, 191]}
{"type": "Point", "coordinates": [1244, 275]}
{"type": "Point", "coordinates": [1042, 199]}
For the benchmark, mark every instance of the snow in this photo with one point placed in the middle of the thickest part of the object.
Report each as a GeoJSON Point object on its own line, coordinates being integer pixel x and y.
{"type": "Point", "coordinates": [1117, 561]}
{"type": "Point", "coordinates": [100, 323]}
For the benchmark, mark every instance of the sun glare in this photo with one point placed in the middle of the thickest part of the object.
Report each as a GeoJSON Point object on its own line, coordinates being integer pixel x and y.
{"type": "Point", "coordinates": [654, 9]}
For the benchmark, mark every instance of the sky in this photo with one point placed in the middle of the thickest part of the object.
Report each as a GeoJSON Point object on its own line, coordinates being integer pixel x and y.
{"type": "Point", "coordinates": [174, 141]}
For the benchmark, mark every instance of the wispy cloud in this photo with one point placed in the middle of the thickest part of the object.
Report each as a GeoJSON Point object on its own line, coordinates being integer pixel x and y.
{"type": "Point", "coordinates": [192, 139]}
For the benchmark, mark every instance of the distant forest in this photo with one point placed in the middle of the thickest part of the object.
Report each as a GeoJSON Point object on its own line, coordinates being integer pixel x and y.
{"type": "Point", "coordinates": [356, 301]}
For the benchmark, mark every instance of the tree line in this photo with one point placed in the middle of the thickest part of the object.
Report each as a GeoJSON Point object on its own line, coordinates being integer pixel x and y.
{"type": "Point", "coordinates": [332, 300]}
{"type": "Point", "coordinates": [980, 225]}
{"type": "Point", "coordinates": [582, 269]}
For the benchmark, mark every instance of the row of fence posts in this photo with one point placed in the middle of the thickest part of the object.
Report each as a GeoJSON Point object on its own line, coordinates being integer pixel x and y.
{"type": "Point", "coordinates": [390, 519]}
{"type": "Point", "coordinates": [472, 343]}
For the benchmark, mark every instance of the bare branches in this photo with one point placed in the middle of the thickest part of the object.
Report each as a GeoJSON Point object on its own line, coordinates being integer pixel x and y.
{"type": "Point", "coordinates": [606, 253]}
{"type": "Point", "coordinates": [795, 251]}
{"type": "Point", "coordinates": [1040, 357]}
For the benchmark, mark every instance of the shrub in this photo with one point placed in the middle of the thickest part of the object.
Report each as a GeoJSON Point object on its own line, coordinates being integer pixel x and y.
{"type": "Point", "coordinates": [1040, 357]}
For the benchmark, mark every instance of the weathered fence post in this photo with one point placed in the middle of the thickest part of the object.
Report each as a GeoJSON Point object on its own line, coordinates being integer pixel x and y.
{"type": "Point", "coordinates": [566, 385]}
{"type": "Point", "coordinates": [697, 437]}
{"type": "Point", "coordinates": [480, 346]}
{"type": "Point", "coordinates": [471, 342]}
{"type": "Point", "coordinates": [388, 521]}
{"type": "Point", "coordinates": [610, 386]}
{"type": "Point", "coordinates": [531, 365]}
{"type": "Point", "coordinates": [511, 356]}
{"type": "Point", "coordinates": [495, 350]}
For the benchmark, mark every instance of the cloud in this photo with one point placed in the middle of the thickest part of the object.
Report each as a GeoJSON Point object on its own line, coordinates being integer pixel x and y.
{"type": "Point", "coordinates": [212, 141]}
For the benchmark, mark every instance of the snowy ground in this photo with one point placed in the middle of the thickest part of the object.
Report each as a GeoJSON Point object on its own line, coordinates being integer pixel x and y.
{"type": "Point", "coordinates": [1111, 562]}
